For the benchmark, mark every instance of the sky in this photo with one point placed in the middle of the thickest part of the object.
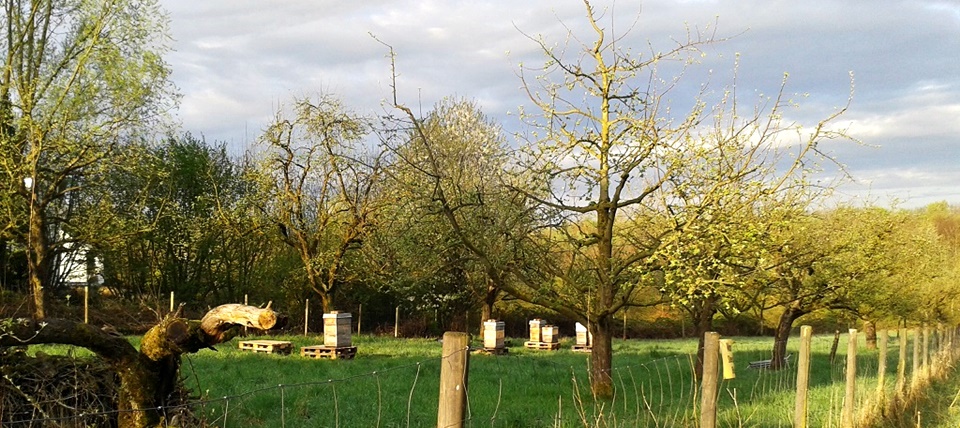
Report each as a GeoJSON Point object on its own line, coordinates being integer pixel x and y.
{"type": "Point", "coordinates": [236, 62]}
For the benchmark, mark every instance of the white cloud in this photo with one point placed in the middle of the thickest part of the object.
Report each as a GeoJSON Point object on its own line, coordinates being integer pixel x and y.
{"type": "Point", "coordinates": [236, 60]}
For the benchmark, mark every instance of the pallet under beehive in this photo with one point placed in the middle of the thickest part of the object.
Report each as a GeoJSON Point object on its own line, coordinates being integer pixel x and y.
{"type": "Point", "coordinates": [267, 346]}
{"type": "Point", "coordinates": [333, 353]}
{"type": "Point", "coordinates": [582, 348]}
{"type": "Point", "coordinates": [491, 351]}
{"type": "Point", "coordinates": [542, 346]}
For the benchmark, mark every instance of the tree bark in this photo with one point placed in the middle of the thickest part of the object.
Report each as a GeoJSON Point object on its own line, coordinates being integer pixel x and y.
{"type": "Point", "coordinates": [780, 337]}
{"type": "Point", "coordinates": [147, 377]}
{"type": "Point", "coordinates": [703, 323]}
{"type": "Point", "coordinates": [38, 263]}
{"type": "Point", "coordinates": [601, 357]}
{"type": "Point", "coordinates": [870, 332]}
{"type": "Point", "coordinates": [489, 299]}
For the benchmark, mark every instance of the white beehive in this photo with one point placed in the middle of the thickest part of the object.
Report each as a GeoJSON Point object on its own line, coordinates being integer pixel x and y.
{"type": "Point", "coordinates": [550, 334]}
{"type": "Point", "coordinates": [584, 338]}
{"type": "Point", "coordinates": [535, 326]}
{"type": "Point", "coordinates": [493, 334]}
{"type": "Point", "coordinates": [336, 329]}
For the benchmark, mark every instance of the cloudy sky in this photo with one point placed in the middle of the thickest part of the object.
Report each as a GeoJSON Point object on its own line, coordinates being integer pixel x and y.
{"type": "Point", "coordinates": [236, 61]}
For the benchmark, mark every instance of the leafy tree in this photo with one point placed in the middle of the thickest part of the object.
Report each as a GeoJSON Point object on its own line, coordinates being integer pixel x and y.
{"type": "Point", "coordinates": [846, 259]}
{"type": "Point", "coordinates": [449, 171]}
{"type": "Point", "coordinates": [319, 191]}
{"type": "Point", "coordinates": [596, 154]}
{"type": "Point", "coordinates": [741, 176]}
{"type": "Point", "coordinates": [179, 224]}
{"type": "Point", "coordinates": [79, 80]}
{"type": "Point", "coordinates": [607, 146]}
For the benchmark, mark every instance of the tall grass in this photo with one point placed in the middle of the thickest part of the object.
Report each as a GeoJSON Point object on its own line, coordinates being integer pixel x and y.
{"type": "Point", "coordinates": [394, 383]}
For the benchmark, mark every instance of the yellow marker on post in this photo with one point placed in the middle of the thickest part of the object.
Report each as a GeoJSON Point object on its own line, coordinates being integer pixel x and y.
{"type": "Point", "coordinates": [726, 353]}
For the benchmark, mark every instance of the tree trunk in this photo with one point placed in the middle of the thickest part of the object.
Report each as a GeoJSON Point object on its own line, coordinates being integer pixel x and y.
{"type": "Point", "coordinates": [37, 263]}
{"type": "Point", "coordinates": [326, 302]}
{"type": "Point", "coordinates": [489, 299]}
{"type": "Point", "coordinates": [780, 337]}
{"type": "Point", "coordinates": [601, 358]}
{"type": "Point", "coordinates": [147, 377]}
{"type": "Point", "coordinates": [703, 323]}
{"type": "Point", "coordinates": [870, 332]}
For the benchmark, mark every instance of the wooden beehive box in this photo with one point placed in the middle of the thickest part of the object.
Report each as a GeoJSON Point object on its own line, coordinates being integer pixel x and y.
{"type": "Point", "coordinates": [336, 329]}
{"type": "Point", "coordinates": [535, 325]}
{"type": "Point", "coordinates": [584, 338]}
{"type": "Point", "coordinates": [550, 334]}
{"type": "Point", "coordinates": [493, 334]}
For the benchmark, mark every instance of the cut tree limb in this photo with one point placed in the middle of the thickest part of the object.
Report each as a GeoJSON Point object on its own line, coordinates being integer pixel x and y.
{"type": "Point", "coordinates": [147, 377]}
{"type": "Point", "coordinates": [219, 320]}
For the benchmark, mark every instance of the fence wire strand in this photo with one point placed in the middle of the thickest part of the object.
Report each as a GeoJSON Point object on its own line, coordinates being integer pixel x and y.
{"type": "Point", "coordinates": [657, 391]}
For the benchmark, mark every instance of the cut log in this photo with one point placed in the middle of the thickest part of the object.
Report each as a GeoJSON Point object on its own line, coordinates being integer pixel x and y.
{"type": "Point", "coordinates": [219, 320]}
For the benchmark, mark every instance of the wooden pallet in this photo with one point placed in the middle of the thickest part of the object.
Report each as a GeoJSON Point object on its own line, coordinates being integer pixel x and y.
{"type": "Point", "coordinates": [320, 351]}
{"type": "Point", "coordinates": [492, 351]}
{"type": "Point", "coordinates": [267, 346]}
{"type": "Point", "coordinates": [582, 348]}
{"type": "Point", "coordinates": [543, 346]}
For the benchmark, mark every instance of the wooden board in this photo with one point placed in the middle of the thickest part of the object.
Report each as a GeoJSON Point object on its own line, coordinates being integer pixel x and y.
{"type": "Point", "coordinates": [582, 348]}
{"type": "Point", "coordinates": [542, 346]}
{"type": "Point", "coordinates": [320, 351]}
{"type": "Point", "coordinates": [267, 346]}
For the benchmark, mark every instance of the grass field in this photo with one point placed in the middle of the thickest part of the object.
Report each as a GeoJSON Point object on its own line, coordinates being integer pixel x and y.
{"type": "Point", "coordinates": [394, 383]}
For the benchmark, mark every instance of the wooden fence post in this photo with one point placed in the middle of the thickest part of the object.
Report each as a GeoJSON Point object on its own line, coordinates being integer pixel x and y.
{"type": "Point", "coordinates": [86, 304]}
{"type": "Point", "coordinates": [849, 398]}
{"type": "Point", "coordinates": [803, 377]}
{"type": "Point", "coordinates": [836, 343]}
{"type": "Point", "coordinates": [396, 323]}
{"type": "Point", "coordinates": [359, 317]}
{"type": "Point", "coordinates": [306, 316]}
{"type": "Point", "coordinates": [453, 379]}
{"type": "Point", "coordinates": [902, 360]}
{"type": "Point", "coordinates": [926, 347]}
{"type": "Point", "coordinates": [882, 363]}
{"type": "Point", "coordinates": [914, 375]}
{"type": "Point", "coordinates": [708, 386]}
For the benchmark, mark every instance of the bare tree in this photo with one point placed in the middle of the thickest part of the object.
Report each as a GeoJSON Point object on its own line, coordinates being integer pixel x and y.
{"type": "Point", "coordinates": [318, 191]}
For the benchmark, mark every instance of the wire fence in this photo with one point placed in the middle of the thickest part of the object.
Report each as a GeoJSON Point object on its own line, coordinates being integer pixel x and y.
{"type": "Point", "coordinates": [654, 385]}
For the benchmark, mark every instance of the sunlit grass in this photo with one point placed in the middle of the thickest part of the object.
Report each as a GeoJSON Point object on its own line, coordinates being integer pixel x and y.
{"type": "Point", "coordinates": [394, 382]}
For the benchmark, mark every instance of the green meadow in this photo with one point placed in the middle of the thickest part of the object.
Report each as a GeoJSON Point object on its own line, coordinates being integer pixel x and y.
{"type": "Point", "coordinates": [394, 383]}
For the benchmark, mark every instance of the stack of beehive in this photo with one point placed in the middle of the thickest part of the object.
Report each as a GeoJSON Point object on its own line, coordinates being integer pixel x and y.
{"type": "Point", "coordinates": [336, 338]}
{"type": "Point", "coordinates": [584, 339]}
{"type": "Point", "coordinates": [543, 336]}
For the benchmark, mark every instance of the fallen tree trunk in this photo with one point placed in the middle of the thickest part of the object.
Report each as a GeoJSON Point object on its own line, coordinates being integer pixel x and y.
{"type": "Point", "coordinates": [148, 377]}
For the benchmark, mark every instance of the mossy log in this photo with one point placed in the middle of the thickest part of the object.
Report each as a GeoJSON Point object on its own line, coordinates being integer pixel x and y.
{"type": "Point", "coordinates": [148, 376]}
